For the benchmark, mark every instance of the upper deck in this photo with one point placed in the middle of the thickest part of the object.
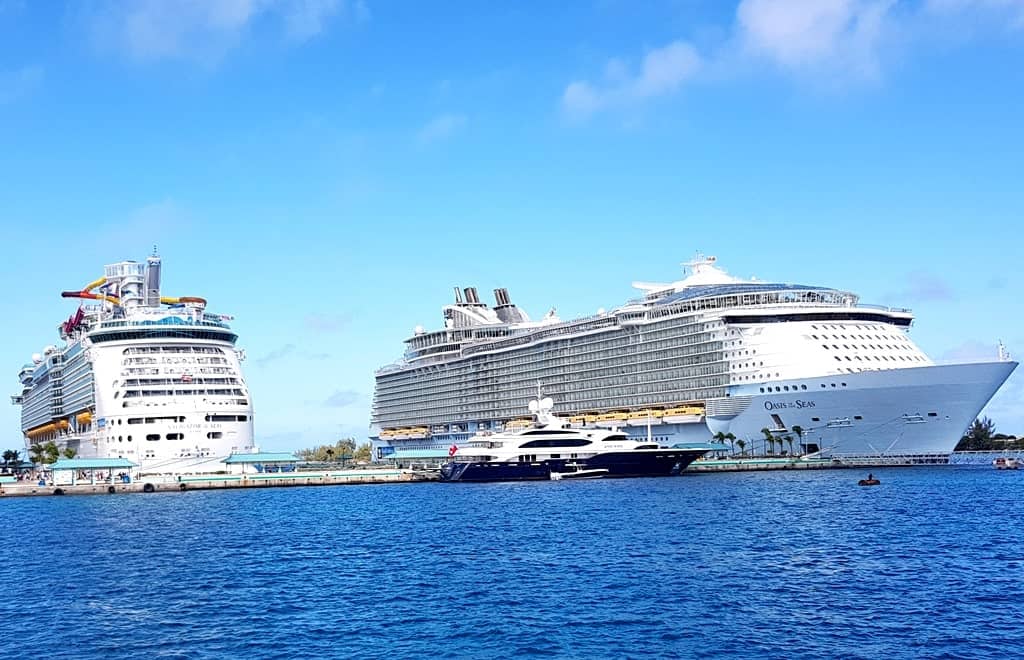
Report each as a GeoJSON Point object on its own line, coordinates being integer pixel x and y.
{"type": "Point", "coordinates": [472, 328]}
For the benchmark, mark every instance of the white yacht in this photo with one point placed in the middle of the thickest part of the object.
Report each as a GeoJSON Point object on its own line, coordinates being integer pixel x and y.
{"type": "Point", "coordinates": [782, 367]}
{"type": "Point", "coordinates": [552, 449]}
{"type": "Point", "coordinates": [153, 379]}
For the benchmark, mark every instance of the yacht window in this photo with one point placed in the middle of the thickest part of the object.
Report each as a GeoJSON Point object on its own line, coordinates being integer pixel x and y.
{"type": "Point", "coordinates": [556, 442]}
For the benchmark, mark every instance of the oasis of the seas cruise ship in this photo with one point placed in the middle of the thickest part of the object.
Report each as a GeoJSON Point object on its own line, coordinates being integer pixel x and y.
{"type": "Point", "coordinates": [156, 380]}
{"type": "Point", "coordinates": [780, 368]}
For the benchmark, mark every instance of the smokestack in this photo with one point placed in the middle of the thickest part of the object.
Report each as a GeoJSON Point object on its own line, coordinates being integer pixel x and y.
{"type": "Point", "coordinates": [152, 290]}
{"type": "Point", "coordinates": [458, 296]}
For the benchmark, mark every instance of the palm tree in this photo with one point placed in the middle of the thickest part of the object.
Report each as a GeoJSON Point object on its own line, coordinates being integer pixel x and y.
{"type": "Point", "coordinates": [51, 452]}
{"type": "Point", "coordinates": [330, 454]}
{"type": "Point", "coordinates": [742, 443]}
{"type": "Point", "coordinates": [36, 452]}
{"type": "Point", "coordinates": [69, 452]}
{"type": "Point", "coordinates": [769, 439]}
{"type": "Point", "coordinates": [799, 430]}
{"type": "Point", "coordinates": [732, 440]}
{"type": "Point", "coordinates": [10, 456]}
{"type": "Point", "coordinates": [789, 441]}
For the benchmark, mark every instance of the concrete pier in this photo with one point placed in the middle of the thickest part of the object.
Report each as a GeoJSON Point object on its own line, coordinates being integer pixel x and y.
{"type": "Point", "coordinates": [161, 484]}
{"type": "Point", "coordinates": [749, 464]}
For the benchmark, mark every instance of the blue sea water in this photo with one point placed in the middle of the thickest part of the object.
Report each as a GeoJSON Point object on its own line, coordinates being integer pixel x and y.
{"type": "Point", "coordinates": [780, 564]}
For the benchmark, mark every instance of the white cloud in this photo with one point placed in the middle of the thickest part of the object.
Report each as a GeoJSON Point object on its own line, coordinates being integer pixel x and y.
{"type": "Point", "coordinates": [343, 398]}
{"type": "Point", "coordinates": [305, 19]}
{"type": "Point", "coordinates": [800, 35]}
{"type": "Point", "coordinates": [19, 83]}
{"type": "Point", "coordinates": [663, 70]}
{"type": "Point", "coordinates": [441, 127]}
{"type": "Point", "coordinates": [203, 30]}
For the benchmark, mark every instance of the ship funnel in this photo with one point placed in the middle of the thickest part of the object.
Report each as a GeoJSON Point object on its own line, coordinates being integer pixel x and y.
{"type": "Point", "coordinates": [471, 296]}
{"type": "Point", "coordinates": [152, 291]}
{"type": "Point", "coordinates": [458, 296]}
{"type": "Point", "coordinates": [501, 298]}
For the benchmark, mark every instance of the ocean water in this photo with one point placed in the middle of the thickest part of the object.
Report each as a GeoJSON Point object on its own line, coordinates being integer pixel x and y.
{"type": "Point", "coordinates": [780, 564]}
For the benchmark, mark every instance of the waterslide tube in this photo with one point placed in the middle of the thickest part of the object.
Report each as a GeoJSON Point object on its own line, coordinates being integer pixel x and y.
{"type": "Point", "coordinates": [85, 293]}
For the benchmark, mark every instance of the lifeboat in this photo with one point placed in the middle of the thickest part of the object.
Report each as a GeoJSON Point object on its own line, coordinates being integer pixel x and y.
{"type": "Point", "coordinates": [683, 414]}
{"type": "Point", "coordinates": [613, 418]}
{"type": "Point", "coordinates": [519, 424]}
{"type": "Point", "coordinates": [84, 417]}
{"type": "Point", "coordinates": [643, 417]}
{"type": "Point", "coordinates": [52, 427]}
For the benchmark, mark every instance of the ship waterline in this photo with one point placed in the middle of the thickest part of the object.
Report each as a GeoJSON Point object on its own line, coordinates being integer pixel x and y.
{"type": "Point", "coordinates": [705, 355]}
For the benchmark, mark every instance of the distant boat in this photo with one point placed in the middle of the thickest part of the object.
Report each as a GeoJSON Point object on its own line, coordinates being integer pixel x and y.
{"type": "Point", "coordinates": [1002, 463]}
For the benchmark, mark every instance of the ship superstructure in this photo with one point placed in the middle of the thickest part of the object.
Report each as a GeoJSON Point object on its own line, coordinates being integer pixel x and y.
{"type": "Point", "coordinates": [153, 379]}
{"type": "Point", "coordinates": [800, 368]}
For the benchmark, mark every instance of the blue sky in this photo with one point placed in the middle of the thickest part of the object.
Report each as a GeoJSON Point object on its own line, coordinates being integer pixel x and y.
{"type": "Point", "coordinates": [327, 170]}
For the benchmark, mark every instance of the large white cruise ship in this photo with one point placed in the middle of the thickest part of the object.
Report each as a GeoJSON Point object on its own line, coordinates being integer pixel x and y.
{"type": "Point", "coordinates": [156, 380]}
{"type": "Point", "coordinates": [781, 367]}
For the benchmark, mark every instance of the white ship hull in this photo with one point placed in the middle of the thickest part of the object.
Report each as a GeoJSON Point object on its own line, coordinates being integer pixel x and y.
{"type": "Point", "coordinates": [917, 411]}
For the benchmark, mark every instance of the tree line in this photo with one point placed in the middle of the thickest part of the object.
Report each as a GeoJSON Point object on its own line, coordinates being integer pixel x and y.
{"type": "Point", "coordinates": [342, 451]}
{"type": "Point", "coordinates": [982, 436]}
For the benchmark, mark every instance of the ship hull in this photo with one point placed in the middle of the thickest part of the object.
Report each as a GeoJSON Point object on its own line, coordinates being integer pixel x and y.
{"type": "Point", "coordinates": [637, 463]}
{"type": "Point", "coordinates": [920, 411]}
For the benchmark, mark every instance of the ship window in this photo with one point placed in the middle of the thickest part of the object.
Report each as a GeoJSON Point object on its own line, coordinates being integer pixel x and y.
{"type": "Point", "coordinates": [175, 436]}
{"type": "Point", "coordinates": [803, 387]}
{"type": "Point", "coordinates": [134, 420]}
{"type": "Point", "coordinates": [933, 414]}
{"type": "Point", "coordinates": [833, 384]}
{"type": "Point", "coordinates": [762, 390]}
{"type": "Point", "coordinates": [857, 417]}
{"type": "Point", "coordinates": [129, 438]}
{"type": "Point", "coordinates": [153, 436]}
{"type": "Point", "coordinates": [785, 387]}
{"type": "Point", "coordinates": [815, 419]}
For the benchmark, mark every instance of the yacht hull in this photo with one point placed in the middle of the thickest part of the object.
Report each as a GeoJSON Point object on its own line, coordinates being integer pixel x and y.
{"type": "Point", "coordinates": [636, 463]}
